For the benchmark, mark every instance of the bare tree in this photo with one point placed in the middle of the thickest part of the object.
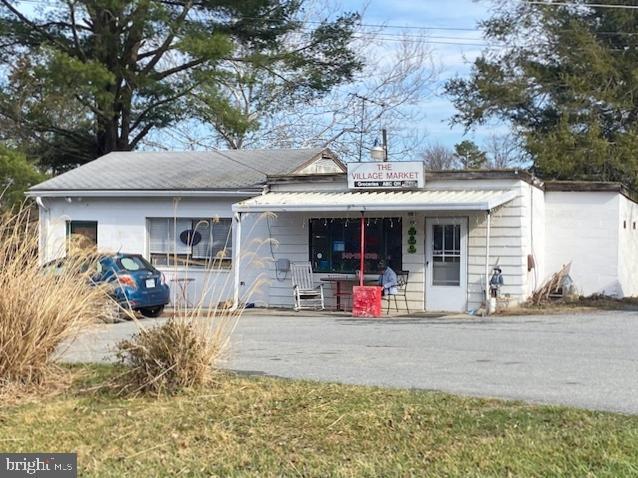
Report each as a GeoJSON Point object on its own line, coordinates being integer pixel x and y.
{"type": "Point", "coordinates": [267, 112]}
{"type": "Point", "coordinates": [504, 151]}
{"type": "Point", "coordinates": [437, 157]}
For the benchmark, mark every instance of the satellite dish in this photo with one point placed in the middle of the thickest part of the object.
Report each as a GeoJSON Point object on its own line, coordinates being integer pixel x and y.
{"type": "Point", "coordinates": [190, 237]}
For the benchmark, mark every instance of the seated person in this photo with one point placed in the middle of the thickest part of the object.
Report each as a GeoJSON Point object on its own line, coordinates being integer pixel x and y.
{"type": "Point", "coordinates": [388, 279]}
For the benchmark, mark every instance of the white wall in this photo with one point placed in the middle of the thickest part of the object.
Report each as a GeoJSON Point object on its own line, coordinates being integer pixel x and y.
{"type": "Point", "coordinates": [510, 238]}
{"type": "Point", "coordinates": [582, 228]}
{"type": "Point", "coordinates": [628, 247]}
{"type": "Point", "coordinates": [510, 241]}
{"type": "Point", "coordinates": [291, 241]}
{"type": "Point", "coordinates": [122, 227]}
{"type": "Point", "coordinates": [509, 245]}
{"type": "Point", "coordinates": [536, 239]}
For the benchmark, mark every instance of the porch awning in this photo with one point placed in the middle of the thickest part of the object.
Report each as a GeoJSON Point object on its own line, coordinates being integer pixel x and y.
{"type": "Point", "coordinates": [432, 200]}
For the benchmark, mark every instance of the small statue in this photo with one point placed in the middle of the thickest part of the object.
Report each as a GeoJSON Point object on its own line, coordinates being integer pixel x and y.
{"type": "Point", "coordinates": [496, 281]}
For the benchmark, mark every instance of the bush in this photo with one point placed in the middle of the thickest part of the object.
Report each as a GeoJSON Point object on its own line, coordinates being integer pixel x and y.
{"type": "Point", "coordinates": [184, 352]}
{"type": "Point", "coordinates": [39, 309]}
{"type": "Point", "coordinates": [169, 358]}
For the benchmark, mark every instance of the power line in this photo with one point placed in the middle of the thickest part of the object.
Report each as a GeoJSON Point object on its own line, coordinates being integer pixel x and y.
{"type": "Point", "coordinates": [426, 41]}
{"type": "Point", "coordinates": [430, 39]}
{"type": "Point", "coordinates": [587, 5]}
{"type": "Point", "coordinates": [317, 22]}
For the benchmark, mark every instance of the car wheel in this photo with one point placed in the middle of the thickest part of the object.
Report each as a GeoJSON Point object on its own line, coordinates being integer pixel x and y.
{"type": "Point", "coordinates": [152, 311]}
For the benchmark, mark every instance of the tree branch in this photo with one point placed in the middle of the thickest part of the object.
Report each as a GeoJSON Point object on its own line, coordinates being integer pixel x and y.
{"type": "Point", "coordinates": [33, 25]}
{"type": "Point", "coordinates": [74, 30]}
{"type": "Point", "coordinates": [154, 105]}
{"type": "Point", "coordinates": [185, 66]}
{"type": "Point", "coordinates": [141, 135]}
{"type": "Point", "coordinates": [163, 48]}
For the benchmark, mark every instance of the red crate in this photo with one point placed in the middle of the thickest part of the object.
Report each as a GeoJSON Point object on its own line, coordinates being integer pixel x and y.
{"type": "Point", "coordinates": [366, 301]}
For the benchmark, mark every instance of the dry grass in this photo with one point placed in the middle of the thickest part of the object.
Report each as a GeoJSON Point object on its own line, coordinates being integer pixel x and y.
{"type": "Point", "coordinates": [184, 352]}
{"type": "Point", "coordinates": [168, 358]}
{"type": "Point", "coordinates": [266, 427]}
{"type": "Point", "coordinates": [39, 309]}
{"type": "Point", "coordinates": [573, 305]}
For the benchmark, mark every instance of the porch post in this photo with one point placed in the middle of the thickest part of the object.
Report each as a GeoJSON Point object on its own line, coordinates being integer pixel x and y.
{"type": "Point", "coordinates": [487, 262]}
{"type": "Point", "coordinates": [363, 249]}
{"type": "Point", "coordinates": [236, 260]}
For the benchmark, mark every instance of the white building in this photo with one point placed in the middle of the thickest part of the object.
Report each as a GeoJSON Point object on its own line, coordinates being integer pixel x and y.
{"type": "Point", "coordinates": [446, 229]}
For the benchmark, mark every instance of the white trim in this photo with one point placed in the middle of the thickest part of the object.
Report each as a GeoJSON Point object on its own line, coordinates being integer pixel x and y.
{"type": "Point", "coordinates": [446, 297]}
{"type": "Point", "coordinates": [143, 193]}
{"type": "Point", "coordinates": [236, 260]}
{"type": "Point", "coordinates": [487, 262]}
{"type": "Point", "coordinates": [390, 201]}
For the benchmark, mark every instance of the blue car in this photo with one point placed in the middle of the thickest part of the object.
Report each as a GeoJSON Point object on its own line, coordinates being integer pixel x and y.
{"type": "Point", "coordinates": [138, 285]}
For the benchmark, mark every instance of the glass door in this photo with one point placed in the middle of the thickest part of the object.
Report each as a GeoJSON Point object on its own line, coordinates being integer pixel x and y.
{"type": "Point", "coordinates": [446, 264]}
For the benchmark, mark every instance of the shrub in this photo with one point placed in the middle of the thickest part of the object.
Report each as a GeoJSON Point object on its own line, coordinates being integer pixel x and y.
{"type": "Point", "coordinates": [40, 309]}
{"type": "Point", "coordinates": [168, 358]}
{"type": "Point", "coordinates": [185, 351]}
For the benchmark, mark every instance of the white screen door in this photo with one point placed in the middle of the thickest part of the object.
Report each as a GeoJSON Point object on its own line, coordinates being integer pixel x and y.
{"type": "Point", "coordinates": [446, 264]}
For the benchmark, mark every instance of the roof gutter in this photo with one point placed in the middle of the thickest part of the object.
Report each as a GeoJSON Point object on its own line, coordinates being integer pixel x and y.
{"type": "Point", "coordinates": [443, 207]}
{"type": "Point", "coordinates": [111, 193]}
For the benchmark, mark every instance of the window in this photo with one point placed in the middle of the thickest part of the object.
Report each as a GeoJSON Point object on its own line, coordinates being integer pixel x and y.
{"type": "Point", "coordinates": [81, 234]}
{"type": "Point", "coordinates": [191, 242]}
{"type": "Point", "coordinates": [335, 244]}
{"type": "Point", "coordinates": [134, 263]}
{"type": "Point", "coordinates": [446, 254]}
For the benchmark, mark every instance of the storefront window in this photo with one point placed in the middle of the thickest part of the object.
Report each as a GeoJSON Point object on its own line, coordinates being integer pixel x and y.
{"type": "Point", "coordinates": [335, 244]}
{"type": "Point", "coordinates": [190, 242]}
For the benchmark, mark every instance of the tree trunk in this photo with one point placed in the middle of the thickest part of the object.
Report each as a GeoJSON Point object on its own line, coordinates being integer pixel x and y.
{"type": "Point", "coordinates": [107, 45]}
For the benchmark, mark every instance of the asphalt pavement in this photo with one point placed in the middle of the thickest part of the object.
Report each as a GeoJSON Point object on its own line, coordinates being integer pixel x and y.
{"type": "Point", "coordinates": [587, 360]}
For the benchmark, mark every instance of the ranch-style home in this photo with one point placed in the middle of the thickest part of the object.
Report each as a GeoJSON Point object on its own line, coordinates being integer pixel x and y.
{"type": "Point", "coordinates": [256, 212]}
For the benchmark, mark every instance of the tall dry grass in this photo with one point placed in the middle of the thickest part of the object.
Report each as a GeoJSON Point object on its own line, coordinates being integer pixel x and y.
{"type": "Point", "coordinates": [40, 308]}
{"type": "Point", "coordinates": [187, 350]}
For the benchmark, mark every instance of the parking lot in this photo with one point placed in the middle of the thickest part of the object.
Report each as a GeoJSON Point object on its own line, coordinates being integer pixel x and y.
{"type": "Point", "coordinates": [586, 360]}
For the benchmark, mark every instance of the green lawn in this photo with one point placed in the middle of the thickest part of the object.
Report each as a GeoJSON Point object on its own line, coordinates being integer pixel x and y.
{"type": "Point", "coordinates": [273, 427]}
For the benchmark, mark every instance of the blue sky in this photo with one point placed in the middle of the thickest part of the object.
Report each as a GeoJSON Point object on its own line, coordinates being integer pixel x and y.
{"type": "Point", "coordinates": [451, 18]}
{"type": "Point", "coordinates": [452, 59]}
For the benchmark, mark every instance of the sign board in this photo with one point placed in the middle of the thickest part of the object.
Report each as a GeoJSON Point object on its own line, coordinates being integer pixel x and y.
{"type": "Point", "coordinates": [386, 175]}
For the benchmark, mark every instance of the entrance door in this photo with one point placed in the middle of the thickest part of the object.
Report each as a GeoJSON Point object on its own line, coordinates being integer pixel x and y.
{"type": "Point", "coordinates": [446, 264]}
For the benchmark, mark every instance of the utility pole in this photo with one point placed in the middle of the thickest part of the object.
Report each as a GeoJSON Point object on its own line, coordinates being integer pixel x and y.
{"type": "Point", "coordinates": [384, 137]}
{"type": "Point", "coordinates": [365, 99]}
{"type": "Point", "coordinates": [363, 111]}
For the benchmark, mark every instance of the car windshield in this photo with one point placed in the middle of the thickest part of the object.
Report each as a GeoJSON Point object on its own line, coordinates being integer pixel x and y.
{"type": "Point", "coordinates": [134, 263]}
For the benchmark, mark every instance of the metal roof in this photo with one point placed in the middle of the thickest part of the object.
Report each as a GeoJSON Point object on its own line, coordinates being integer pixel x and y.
{"type": "Point", "coordinates": [180, 171]}
{"type": "Point", "coordinates": [432, 200]}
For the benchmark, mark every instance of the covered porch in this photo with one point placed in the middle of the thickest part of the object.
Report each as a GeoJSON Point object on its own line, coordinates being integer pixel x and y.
{"type": "Point", "coordinates": [422, 233]}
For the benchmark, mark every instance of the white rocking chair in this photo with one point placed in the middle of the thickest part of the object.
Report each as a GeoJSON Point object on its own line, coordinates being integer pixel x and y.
{"type": "Point", "coordinates": [307, 295]}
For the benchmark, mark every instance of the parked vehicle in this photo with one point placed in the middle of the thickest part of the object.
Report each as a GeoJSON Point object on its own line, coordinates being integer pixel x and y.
{"type": "Point", "coordinates": [137, 285]}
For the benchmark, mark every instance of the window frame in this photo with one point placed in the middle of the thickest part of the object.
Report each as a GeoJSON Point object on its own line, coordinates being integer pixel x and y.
{"type": "Point", "coordinates": [396, 263]}
{"type": "Point", "coordinates": [449, 257]}
{"type": "Point", "coordinates": [186, 260]}
{"type": "Point", "coordinates": [82, 223]}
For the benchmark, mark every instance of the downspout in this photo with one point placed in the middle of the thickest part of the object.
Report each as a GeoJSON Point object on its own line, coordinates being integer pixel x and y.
{"type": "Point", "coordinates": [487, 262]}
{"type": "Point", "coordinates": [236, 261]}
